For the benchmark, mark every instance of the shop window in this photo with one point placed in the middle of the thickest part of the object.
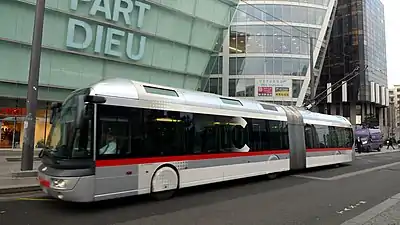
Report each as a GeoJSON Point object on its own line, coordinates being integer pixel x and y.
{"type": "Point", "coordinates": [12, 116]}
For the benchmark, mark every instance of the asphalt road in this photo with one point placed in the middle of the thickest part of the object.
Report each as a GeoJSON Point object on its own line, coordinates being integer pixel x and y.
{"type": "Point", "coordinates": [287, 200]}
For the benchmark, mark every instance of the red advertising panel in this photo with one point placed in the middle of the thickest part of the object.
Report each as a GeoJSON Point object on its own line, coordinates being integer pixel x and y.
{"type": "Point", "coordinates": [264, 91]}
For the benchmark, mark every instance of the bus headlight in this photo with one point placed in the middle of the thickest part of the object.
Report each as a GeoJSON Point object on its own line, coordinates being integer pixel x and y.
{"type": "Point", "coordinates": [59, 183]}
{"type": "Point", "coordinates": [364, 142]}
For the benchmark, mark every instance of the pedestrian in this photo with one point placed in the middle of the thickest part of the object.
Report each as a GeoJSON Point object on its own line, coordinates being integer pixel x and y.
{"type": "Point", "coordinates": [359, 145]}
{"type": "Point", "coordinates": [390, 144]}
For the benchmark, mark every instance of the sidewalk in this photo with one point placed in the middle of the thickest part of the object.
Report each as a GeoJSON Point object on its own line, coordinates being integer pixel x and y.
{"type": "Point", "coordinates": [10, 184]}
{"type": "Point", "coordinates": [386, 213]}
{"type": "Point", "coordinates": [14, 152]}
{"type": "Point", "coordinates": [383, 151]}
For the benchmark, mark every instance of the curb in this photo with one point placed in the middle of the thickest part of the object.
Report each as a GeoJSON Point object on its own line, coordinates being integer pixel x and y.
{"type": "Point", "coordinates": [24, 174]}
{"type": "Point", "coordinates": [376, 153]}
{"type": "Point", "coordinates": [19, 189]}
{"type": "Point", "coordinates": [374, 211]}
{"type": "Point", "coordinates": [18, 159]}
{"type": "Point", "coordinates": [15, 152]}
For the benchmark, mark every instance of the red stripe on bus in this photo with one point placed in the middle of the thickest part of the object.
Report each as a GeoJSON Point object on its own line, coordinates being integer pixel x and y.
{"type": "Point", "coordinates": [121, 162]}
{"type": "Point", "coordinates": [327, 149]}
{"type": "Point", "coordinates": [134, 161]}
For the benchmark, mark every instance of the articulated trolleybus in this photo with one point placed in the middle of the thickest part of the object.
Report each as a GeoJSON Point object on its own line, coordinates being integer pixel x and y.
{"type": "Point", "coordinates": [121, 138]}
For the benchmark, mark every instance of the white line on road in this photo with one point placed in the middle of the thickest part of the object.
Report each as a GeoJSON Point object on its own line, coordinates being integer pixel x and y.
{"type": "Point", "coordinates": [374, 211]}
{"type": "Point", "coordinates": [351, 174]}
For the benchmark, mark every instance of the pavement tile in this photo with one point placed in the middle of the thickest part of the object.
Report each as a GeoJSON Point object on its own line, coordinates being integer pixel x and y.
{"type": "Point", "coordinates": [390, 216]}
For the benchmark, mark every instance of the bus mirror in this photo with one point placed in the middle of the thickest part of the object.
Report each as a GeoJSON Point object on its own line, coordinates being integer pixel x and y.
{"type": "Point", "coordinates": [53, 114]}
{"type": "Point", "coordinates": [95, 99]}
{"type": "Point", "coordinates": [55, 106]}
{"type": "Point", "coordinates": [80, 110]}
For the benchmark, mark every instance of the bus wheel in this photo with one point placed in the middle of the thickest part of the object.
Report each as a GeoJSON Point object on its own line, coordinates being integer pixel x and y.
{"type": "Point", "coordinates": [272, 176]}
{"type": "Point", "coordinates": [164, 183]}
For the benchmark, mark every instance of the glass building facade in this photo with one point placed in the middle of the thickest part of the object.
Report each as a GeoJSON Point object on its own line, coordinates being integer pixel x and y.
{"type": "Point", "coordinates": [357, 40]}
{"type": "Point", "coordinates": [267, 55]}
{"type": "Point", "coordinates": [162, 42]}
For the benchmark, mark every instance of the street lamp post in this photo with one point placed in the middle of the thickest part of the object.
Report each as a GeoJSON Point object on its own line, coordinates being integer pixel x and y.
{"type": "Point", "coordinates": [32, 95]}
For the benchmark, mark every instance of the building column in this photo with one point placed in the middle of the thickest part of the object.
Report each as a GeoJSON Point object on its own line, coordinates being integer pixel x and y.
{"type": "Point", "coordinates": [364, 111]}
{"type": "Point", "coordinates": [353, 113]}
{"type": "Point", "coordinates": [225, 63]}
{"type": "Point", "coordinates": [381, 125]}
{"type": "Point", "coordinates": [341, 109]}
{"type": "Point", "coordinates": [333, 108]}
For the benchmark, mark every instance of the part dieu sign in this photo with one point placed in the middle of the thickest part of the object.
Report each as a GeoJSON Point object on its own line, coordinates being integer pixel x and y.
{"type": "Point", "coordinates": [108, 39]}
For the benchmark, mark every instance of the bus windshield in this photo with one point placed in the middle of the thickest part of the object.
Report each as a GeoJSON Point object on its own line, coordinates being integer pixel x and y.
{"type": "Point", "coordinates": [68, 138]}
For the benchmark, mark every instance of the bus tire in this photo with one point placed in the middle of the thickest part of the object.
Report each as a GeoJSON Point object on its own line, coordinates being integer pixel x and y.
{"type": "Point", "coordinates": [164, 183]}
{"type": "Point", "coordinates": [272, 176]}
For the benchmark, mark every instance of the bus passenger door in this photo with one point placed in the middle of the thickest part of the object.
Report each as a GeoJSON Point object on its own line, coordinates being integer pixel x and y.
{"type": "Point", "coordinates": [116, 175]}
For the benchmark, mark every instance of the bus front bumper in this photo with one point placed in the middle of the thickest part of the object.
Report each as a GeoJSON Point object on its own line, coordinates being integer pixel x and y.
{"type": "Point", "coordinates": [71, 189]}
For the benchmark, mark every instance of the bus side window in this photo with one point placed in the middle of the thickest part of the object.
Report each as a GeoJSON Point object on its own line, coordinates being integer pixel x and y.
{"type": "Point", "coordinates": [164, 133]}
{"type": "Point", "coordinates": [257, 133]}
{"type": "Point", "coordinates": [308, 133]}
{"type": "Point", "coordinates": [113, 132]}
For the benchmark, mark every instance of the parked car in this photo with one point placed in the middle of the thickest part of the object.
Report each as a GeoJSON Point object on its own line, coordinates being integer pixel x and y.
{"type": "Point", "coordinates": [371, 139]}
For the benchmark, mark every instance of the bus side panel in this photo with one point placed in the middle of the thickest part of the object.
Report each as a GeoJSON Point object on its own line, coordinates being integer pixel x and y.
{"type": "Point", "coordinates": [113, 180]}
{"type": "Point", "coordinates": [322, 157]}
{"type": "Point", "coordinates": [206, 171]}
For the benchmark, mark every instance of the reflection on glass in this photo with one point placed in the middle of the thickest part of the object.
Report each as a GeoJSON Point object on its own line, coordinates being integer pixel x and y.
{"type": "Point", "coordinates": [62, 130]}
{"type": "Point", "coordinates": [267, 66]}
{"type": "Point", "coordinates": [267, 39]}
{"type": "Point", "coordinates": [287, 13]}
{"type": "Point", "coordinates": [65, 139]}
{"type": "Point", "coordinates": [296, 88]}
{"type": "Point", "coordinates": [241, 87]}
{"type": "Point", "coordinates": [245, 87]}
{"type": "Point", "coordinates": [213, 85]}
{"type": "Point", "coordinates": [214, 65]}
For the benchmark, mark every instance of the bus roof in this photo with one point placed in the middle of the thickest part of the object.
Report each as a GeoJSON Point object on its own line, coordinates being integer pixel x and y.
{"type": "Point", "coordinates": [129, 89]}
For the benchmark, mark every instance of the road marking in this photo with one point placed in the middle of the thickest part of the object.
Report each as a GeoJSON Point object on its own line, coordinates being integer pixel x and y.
{"type": "Point", "coordinates": [374, 211]}
{"type": "Point", "coordinates": [350, 207]}
{"type": "Point", "coordinates": [351, 174]}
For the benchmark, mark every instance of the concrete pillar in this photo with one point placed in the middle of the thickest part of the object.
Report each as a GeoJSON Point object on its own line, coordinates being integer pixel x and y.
{"type": "Point", "coordinates": [341, 109]}
{"type": "Point", "coordinates": [225, 63]}
{"type": "Point", "coordinates": [333, 109]}
{"type": "Point", "coordinates": [381, 125]}
{"type": "Point", "coordinates": [364, 111]}
{"type": "Point", "coordinates": [353, 113]}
